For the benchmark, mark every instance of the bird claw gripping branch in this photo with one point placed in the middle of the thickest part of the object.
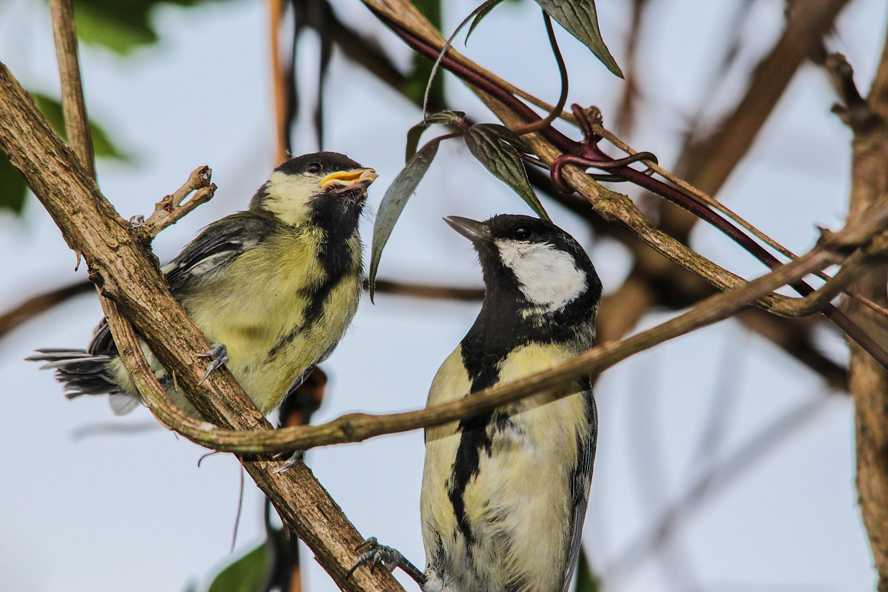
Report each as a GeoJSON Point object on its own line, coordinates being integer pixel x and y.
{"type": "Point", "coordinates": [591, 156]}
{"type": "Point", "coordinates": [375, 554]}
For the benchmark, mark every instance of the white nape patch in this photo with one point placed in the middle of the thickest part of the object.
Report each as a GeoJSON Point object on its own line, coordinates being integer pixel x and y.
{"type": "Point", "coordinates": [547, 276]}
{"type": "Point", "coordinates": [289, 195]}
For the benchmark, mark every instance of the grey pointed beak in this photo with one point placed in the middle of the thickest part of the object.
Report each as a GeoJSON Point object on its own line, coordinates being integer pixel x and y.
{"type": "Point", "coordinates": [475, 231]}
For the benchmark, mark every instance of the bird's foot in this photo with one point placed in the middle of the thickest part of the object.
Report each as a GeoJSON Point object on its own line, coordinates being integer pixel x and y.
{"type": "Point", "coordinates": [217, 355]}
{"type": "Point", "coordinates": [375, 555]}
{"type": "Point", "coordinates": [297, 457]}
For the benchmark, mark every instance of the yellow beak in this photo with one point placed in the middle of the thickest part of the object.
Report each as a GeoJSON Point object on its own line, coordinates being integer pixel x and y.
{"type": "Point", "coordinates": [348, 179]}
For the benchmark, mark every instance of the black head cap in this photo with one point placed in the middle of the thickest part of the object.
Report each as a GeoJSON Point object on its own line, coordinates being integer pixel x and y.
{"type": "Point", "coordinates": [317, 163]}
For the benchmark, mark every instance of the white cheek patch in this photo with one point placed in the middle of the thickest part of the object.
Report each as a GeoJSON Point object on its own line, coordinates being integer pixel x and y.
{"type": "Point", "coordinates": [548, 277]}
{"type": "Point", "coordinates": [289, 195]}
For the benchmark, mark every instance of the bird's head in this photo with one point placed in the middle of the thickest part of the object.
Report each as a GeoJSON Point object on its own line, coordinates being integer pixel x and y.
{"type": "Point", "coordinates": [323, 187]}
{"type": "Point", "coordinates": [531, 265]}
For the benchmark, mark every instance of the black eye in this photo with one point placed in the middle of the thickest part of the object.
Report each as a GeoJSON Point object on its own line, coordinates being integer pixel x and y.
{"type": "Point", "coordinates": [522, 233]}
{"type": "Point", "coordinates": [314, 168]}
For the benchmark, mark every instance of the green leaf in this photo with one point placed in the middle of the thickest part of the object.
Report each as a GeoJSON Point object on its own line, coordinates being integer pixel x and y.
{"type": "Point", "coordinates": [497, 148]}
{"type": "Point", "coordinates": [452, 118]}
{"type": "Point", "coordinates": [102, 144]}
{"type": "Point", "coordinates": [13, 190]}
{"type": "Point", "coordinates": [477, 20]}
{"type": "Point", "coordinates": [247, 574]}
{"type": "Point", "coordinates": [121, 25]}
{"type": "Point", "coordinates": [580, 19]}
{"type": "Point", "coordinates": [394, 201]}
{"type": "Point", "coordinates": [586, 579]}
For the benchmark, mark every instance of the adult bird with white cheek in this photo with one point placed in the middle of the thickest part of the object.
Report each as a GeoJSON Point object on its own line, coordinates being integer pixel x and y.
{"type": "Point", "coordinates": [504, 493]}
{"type": "Point", "coordinates": [273, 287]}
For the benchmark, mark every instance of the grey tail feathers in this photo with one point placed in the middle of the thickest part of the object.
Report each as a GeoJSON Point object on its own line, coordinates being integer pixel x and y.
{"type": "Point", "coordinates": [81, 372]}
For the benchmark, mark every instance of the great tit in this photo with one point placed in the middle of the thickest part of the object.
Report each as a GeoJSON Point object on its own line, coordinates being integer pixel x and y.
{"type": "Point", "coordinates": [504, 493]}
{"type": "Point", "coordinates": [273, 287]}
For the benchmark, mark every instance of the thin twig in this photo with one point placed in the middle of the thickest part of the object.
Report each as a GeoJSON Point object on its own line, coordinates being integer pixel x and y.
{"type": "Point", "coordinates": [73, 105]}
{"type": "Point", "coordinates": [173, 207]}
{"type": "Point", "coordinates": [358, 426]}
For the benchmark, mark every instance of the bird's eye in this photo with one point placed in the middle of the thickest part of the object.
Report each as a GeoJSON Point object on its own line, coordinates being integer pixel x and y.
{"type": "Point", "coordinates": [522, 233]}
{"type": "Point", "coordinates": [314, 168]}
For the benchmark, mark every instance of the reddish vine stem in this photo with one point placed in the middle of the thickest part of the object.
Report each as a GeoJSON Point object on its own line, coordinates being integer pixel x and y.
{"type": "Point", "coordinates": [591, 151]}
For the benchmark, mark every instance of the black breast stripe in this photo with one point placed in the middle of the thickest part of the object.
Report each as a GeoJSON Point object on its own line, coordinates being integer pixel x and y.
{"type": "Point", "coordinates": [490, 340]}
{"type": "Point", "coordinates": [336, 257]}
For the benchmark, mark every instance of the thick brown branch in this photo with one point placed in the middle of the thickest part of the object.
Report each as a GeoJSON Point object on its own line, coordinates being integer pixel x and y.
{"type": "Point", "coordinates": [128, 276]}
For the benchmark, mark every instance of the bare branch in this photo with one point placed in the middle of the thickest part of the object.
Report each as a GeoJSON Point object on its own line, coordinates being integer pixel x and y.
{"type": "Point", "coordinates": [40, 303]}
{"type": "Point", "coordinates": [356, 427]}
{"type": "Point", "coordinates": [173, 207]}
{"type": "Point", "coordinates": [73, 105]}
{"type": "Point", "coordinates": [868, 120]}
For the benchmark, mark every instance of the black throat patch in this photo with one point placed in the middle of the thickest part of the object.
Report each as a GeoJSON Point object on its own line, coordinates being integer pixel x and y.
{"type": "Point", "coordinates": [338, 217]}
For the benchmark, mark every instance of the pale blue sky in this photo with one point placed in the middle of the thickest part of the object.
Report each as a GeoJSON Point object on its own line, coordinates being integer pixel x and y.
{"type": "Point", "coordinates": [135, 513]}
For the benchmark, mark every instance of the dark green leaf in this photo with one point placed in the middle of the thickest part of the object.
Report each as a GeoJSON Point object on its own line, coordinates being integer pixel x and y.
{"type": "Point", "coordinates": [247, 574]}
{"type": "Point", "coordinates": [102, 144]}
{"type": "Point", "coordinates": [477, 20]}
{"type": "Point", "coordinates": [12, 187]}
{"type": "Point", "coordinates": [393, 202]}
{"type": "Point", "coordinates": [442, 117]}
{"type": "Point", "coordinates": [580, 19]}
{"type": "Point", "coordinates": [586, 579]}
{"type": "Point", "coordinates": [497, 148]}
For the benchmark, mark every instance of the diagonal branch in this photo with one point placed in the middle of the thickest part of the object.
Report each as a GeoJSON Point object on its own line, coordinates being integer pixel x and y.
{"type": "Point", "coordinates": [129, 281]}
{"type": "Point", "coordinates": [359, 426]}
